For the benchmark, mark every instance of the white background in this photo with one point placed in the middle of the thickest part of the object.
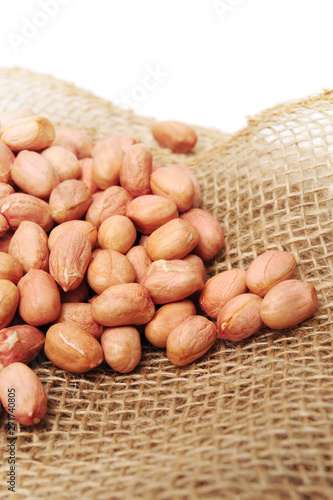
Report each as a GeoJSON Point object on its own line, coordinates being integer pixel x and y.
{"type": "Point", "coordinates": [218, 61]}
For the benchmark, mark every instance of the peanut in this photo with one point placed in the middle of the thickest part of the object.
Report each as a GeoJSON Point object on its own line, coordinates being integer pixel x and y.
{"type": "Point", "coordinates": [220, 289]}
{"type": "Point", "coordinates": [9, 299]}
{"type": "Point", "coordinates": [288, 303]}
{"type": "Point", "coordinates": [123, 304]}
{"type": "Point", "coordinates": [108, 268]}
{"type": "Point", "coordinates": [172, 182]}
{"type": "Point", "coordinates": [190, 340]}
{"type": "Point", "coordinates": [33, 133]}
{"type": "Point", "coordinates": [136, 169]}
{"type": "Point", "coordinates": [63, 162]}
{"type": "Point", "coordinates": [19, 207]}
{"type": "Point", "coordinates": [69, 200]}
{"type": "Point", "coordinates": [150, 212]}
{"type": "Point", "coordinates": [140, 260]}
{"type": "Point", "coordinates": [166, 319]}
{"type": "Point", "coordinates": [69, 259]}
{"type": "Point", "coordinates": [39, 298]}
{"type": "Point", "coordinates": [84, 227]}
{"type": "Point", "coordinates": [117, 233]}
{"type": "Point", "coordinates": [172, 280]}
{"type": "Point", "coordinates": [122, 348]}
{"type": "Point", "coordinates": [34, 174]}
{"type": "Point", "coordinates": [211, 236]}
{"type": "Point", "coordinates": [175, 135]}
{"type": "Point", "coordinates": [173, 240]}
{"type": "Point", "coordinates": [107, 163]}
{"type": "Point", "coordinates": [29, 245]}
{"type": "Point", "coordinates": [70, 347]}
{"type": "Point", "coordinates": [240, 317]}
{"type": "Point", "coordinates": [268, 269]}
{"type": "Point", "coordinates": [86, 165]}
{"type": "Point", "coordinates": [7, 159]}
{"type": "Point", "coordinates": [10, 268]}
{"type": "Point", "coordinates": [20, 343]}
{"type": "Point", "coordinates": [112, 201]}
{"type": "Point", "coordinates": [22, 394]}
{"type": "Point", "coordinates": [4, 226]}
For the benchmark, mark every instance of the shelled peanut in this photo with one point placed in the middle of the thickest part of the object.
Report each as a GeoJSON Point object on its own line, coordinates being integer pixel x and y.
{"type": "Point", "coordinates": [99, 241]}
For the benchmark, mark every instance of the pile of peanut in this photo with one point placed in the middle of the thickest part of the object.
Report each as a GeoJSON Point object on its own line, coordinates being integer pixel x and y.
{"type": "Point", "coordinates": [99, 242]}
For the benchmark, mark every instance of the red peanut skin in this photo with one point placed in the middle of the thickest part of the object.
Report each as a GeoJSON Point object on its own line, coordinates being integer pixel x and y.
{"type": "Point", "coordinates": [221, 288]}
{"type": "Point", "coordinates": [269, 269]}
{"type": "Point", "coordinates": [30, 395]}
{"type": "Point", "coordinates": [190, 340]}
{"type": "Point", "coordinates": [20, 343]}
{"type": "Point", "coordinates": [136, 169]}
{"type": "Point", "coordinates": [39, 298]}
{"type": "Point", "coordinates": [289, 303]}
{"type": "Point", "coordinates": [240, 317]}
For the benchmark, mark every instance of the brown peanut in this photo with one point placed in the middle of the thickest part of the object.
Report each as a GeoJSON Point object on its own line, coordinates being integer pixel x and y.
{"type": "Point", "coordinates": [34, 174]}
{"type": "Point", "coordinates": [190, 340]}
{"type": "Point", "coordinates": [173, 240]}
{"type": "Point", "coordinates": [9, 299]}
{"type": "Point", "coordinates": [171, 182]}
{"type": "Point", "coordinates": [63, 162]}
{"type": "Point", "coordinates": [172, 280]}
{"type": "Point", "coordinates": [6, 162]}
{"type": "Point", "coordinates": [107, 163]}
{"type": "Point", "coordinates": [10, 268]}
{"type": "Point", "coordinates": [86, 165]}
{"type": "Point", "coordinates": [123, 304]}
{"type": "Point", "coordinates": [20, 343]}
{"type": "Point", "coordinates": [288, 303]}
{"type": "Point", "coordinates": [166, 319]}
{"type": "Point", "coordinates": [69, 259]}
{"type": "Point", "coordinates": [149, 212]}
{"type": "Point", "coordinates": [112, 201]}
{"type": "Point", "coordinates": [4, 226]}
{"type": "Point", "coordinates": [5, 190]}
{"type": "Point", "coordinates": [268, 269]}
{"type": "Point", "coordinates": [39, 298]}
{"type": "Point", "coordinates": [136, 169]}
{"type": "Point", "coordinates": [140, 260]}
{"type": "Point", "coordinates": [29, 401]}
{"type": "Point", "coordinates": [240, 317]}
{"type": "Point", "coordinates": [197, 198]}
{"type": "Point", "coordinates": [29, 245]}
{"type": "Point", "coordinates": [19, 207]}
{"type": "Point", "coordinates": [69, 200]}
{"type": "Point", "coordinates": [175, 135]}
{"type": "Point", "coordinates": [108, 268]}
{"type": "Point", "coordinates": [33, 133]}
{"type": "Point", "coordinates": [211, 236]}
{"type": "Point", "coordinates": [84, 227]}
{"type": "Point", "coordinates": [117, 233]}
{"type": "Point", "coordinates": [198, 262]}
{"type": "Point", "coordinates": [220, 289]}
{"type": "Point", "coordinates": [72, 348]}
{"type": "Point", "coordinates": [122, 348]}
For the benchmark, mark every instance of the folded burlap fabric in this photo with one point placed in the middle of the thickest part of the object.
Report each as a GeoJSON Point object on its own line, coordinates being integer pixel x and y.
{"type": "Point", "coordinates": [248, 421]}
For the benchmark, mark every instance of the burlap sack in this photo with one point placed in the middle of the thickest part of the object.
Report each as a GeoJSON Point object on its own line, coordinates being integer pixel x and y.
{"type": "Point", "coordinates": [252, 421]}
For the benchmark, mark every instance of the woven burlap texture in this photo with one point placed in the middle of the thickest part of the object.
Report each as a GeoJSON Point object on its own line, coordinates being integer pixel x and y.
{"type": "Point", "coordinates": [248, 421]}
